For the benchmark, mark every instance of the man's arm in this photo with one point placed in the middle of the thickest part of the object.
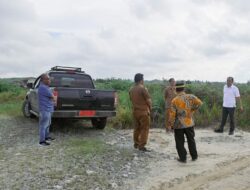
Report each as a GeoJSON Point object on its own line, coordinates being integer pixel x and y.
{"type": "Point", "coordinates": [172, 116]}
{"type": "Point", "coordinates": [166, 94]}
{"type": "Point", "coordinates": [149, 103]}
{"type": "Point", "coordinates": [238, 99]}
{"type": "Point", "coordinates": [197, 104]}
{"type": "Point", "coordinates": [147, 98]}
{"type": "Point", "coordinates": [50, 95]}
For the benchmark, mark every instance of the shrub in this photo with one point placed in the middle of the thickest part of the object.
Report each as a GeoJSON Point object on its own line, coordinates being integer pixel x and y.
{"type": "Point", "coordinates": [11, 98]}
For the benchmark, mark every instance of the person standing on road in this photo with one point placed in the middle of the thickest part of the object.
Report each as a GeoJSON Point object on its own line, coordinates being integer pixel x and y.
{"type": "Point", "coordinates": [46, 107]}
{"type": "Point", "coordinates": [169, 94]}
{"type": "Point", "coordinates": [230, 95]}
{"type": "Point", "coordinates": [142, 106]}
{"type": "Point", "coordinates": [181, 120]}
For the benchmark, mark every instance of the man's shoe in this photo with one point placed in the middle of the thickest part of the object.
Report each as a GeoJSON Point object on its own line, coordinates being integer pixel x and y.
{"type": "Point", "coordinates": [230, 133]}
{"type": "Point", "coordinates": [144, 149]}
{"type": "Point", "coordinates": [44, 143]}
{"type": "Point", "coordinates": [135, 146]}
{"type": "Point", "coordinates": [182, 161]}
{"type": "Point", "coordinates": [50, 139]}
{"type": "Point", "coordinates": [218, 131]}
{"type": "Point", "coordinates": [194, 159]}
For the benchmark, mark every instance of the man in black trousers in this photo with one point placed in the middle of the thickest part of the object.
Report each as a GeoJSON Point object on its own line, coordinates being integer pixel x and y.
{"type": "Point", "coordinates": [230, 95]}
{"type": "Point", "coordinates": [181, 120]}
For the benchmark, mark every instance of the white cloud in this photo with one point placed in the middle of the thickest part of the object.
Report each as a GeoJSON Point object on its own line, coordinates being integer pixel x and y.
{"type": "Point", "coordinates": [185, 39]}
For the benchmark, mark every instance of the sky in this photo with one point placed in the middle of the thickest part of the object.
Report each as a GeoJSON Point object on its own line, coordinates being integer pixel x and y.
{"type": "Point", "coordinates": [206, 40]}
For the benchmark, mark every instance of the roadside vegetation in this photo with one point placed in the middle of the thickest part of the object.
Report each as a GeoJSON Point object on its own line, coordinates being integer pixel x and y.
{"type": "Point", "coordinates": [211, 93]}
{"type": "Point", "coordinates": [12, 96]}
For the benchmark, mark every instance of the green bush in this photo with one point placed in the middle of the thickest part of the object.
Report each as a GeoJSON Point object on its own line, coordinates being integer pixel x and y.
{"type": "Point", "coordinates": [211, 93]}
{"type": "Point", "coordinates": [116, 84]}
{"type": "Point", "coordinates": [11, 98]}
{"type": "Point", "coordinates": [8, 87]}
{"type": "Point", "coordinates": [123, 119]}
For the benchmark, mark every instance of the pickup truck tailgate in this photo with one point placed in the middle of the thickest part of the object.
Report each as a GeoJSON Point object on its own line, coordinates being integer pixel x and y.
{"type": "Point", "coordinates": [84, 99]}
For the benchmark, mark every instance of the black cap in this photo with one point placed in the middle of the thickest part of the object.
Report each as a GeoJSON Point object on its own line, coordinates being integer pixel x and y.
{"type": "Point", "coordinates": [180, 84]}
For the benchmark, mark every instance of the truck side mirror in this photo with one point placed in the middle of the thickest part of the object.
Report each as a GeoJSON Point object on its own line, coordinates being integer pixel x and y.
{"type": "Point", "coordinates": [29, 85]}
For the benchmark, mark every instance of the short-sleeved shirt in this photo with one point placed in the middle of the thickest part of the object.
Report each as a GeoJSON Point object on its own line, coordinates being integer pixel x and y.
{"type": "Point", "coordinates": [182, 108]}
{"type": "Point", "coordinates": [230, 93]}
{"type": "Point", "coordinates": [139, 97]}
{"type": "Point", "coordinates": [45, 98]}
{"type": "Point", "coordinates": [169, 94]}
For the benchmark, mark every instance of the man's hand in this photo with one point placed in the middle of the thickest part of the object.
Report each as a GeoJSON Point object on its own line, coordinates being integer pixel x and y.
{"type": "Point", "coordinates": [241, 109]}
{"type": "Point", "coordinates": [54, 98]}
{"type": "Point", "coordinates": [240, 103]}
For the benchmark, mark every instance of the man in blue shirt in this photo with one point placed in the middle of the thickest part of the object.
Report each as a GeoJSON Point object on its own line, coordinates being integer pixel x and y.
{"type": "Point", "coordinates": [46, 107]}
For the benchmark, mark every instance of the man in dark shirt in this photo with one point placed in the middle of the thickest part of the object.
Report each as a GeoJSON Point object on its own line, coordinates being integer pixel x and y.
{"type": "Point", "coordinates": [142, 105]}
{"type": "Point", "coordinates": [46, 108]}
{"type": "Point", "coordinates": [169, 94]}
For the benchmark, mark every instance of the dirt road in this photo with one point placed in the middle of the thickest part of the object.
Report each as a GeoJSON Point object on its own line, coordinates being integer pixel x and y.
{"type": "Point", "coordinates": [224, 163]}
{"type": "Point", "coordinates": [83, 158]}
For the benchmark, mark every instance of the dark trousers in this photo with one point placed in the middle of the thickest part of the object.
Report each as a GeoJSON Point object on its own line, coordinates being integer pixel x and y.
{"type": "Point", "coordinates": [180, 140]}
{"type": "Point", "coordinates": [225, 113]}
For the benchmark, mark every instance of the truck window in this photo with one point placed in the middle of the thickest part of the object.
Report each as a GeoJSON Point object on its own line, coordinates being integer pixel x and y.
{"type": "Point", "coordinates": [71, 80]}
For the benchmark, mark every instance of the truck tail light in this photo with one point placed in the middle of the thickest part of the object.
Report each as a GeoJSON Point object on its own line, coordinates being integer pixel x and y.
{"type": "Point", "coordinates": [55, 93]}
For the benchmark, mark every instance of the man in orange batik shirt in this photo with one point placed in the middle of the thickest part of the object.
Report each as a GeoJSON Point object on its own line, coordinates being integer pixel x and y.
{"type": "Point", "coordinates": [181, 120]}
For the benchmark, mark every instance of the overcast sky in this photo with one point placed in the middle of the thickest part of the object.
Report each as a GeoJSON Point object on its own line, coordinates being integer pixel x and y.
{"type": "Point", "coordinates": [186, 39]}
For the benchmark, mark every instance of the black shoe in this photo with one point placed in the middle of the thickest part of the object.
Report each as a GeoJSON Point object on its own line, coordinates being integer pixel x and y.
{"type": "Point", "coordinates": [50, 139]}
{"type": "Point", "coordinates": [218, 131]}
{"type": "Point", "coordinates": [144, 149]}
{"type": "Point", "coordinates": [182, 161]}
{"type": "Point", "coordinates": [194, 159]}
{"type": "Point", "coordinates": [230, 133]}
{"type": "Point", "coordinates": [44, 143]}
{"type": "Point", "coordinates": [135, 146]}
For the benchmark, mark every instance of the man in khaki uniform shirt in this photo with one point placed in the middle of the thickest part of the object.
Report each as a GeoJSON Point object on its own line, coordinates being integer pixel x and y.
{"type": "Point", "coordinates": [142, 105]}
{"type": "Point", "coordinates": [169, 94]}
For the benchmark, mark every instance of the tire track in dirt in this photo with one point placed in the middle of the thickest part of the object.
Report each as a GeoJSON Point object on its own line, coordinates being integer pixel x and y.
{"type": "Point", "coordinates": [233, 174]}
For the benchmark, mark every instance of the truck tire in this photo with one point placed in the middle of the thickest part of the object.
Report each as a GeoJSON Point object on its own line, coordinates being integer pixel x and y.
{"type": "Point", "coordinates": [99, 123]}
{"type": "Point", "coordinates": [26, 109]}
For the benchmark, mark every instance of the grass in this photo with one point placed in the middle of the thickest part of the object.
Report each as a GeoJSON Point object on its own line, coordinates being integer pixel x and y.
{"type": "Point", "coordinates": [86, 147]}
{"type": "Point", "coordinates": [11, 99]}
{"type": "Point", "coordinates": [11, 108]}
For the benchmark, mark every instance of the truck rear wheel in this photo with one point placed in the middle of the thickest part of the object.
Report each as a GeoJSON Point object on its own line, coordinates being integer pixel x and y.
{"type": "Point", "coordinates": [99, 123]}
